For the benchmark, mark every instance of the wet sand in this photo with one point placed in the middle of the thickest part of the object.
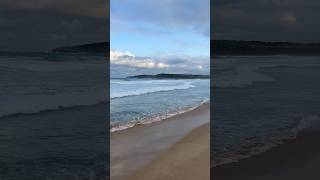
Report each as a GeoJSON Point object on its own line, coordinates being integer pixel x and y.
{"type": "Point", "coordinates": [188, 159]}
{"type": "Point", "coordinates": [133, 149]}
{"type": "Point", "coordinates": [293, 160]}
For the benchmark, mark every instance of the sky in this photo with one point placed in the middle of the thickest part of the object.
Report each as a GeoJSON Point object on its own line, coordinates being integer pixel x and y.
{"type": "Point", "coordinates": [41, 25]}
{"type": "Point", "coordinates": [167, 36]}
{"type": "Point", "coordinates": [266, 20]}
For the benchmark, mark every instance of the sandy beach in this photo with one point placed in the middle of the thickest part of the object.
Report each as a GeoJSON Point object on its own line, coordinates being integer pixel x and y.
{"type": "Point", "coordinates": [164, 150]}
{"type": "Point", "coordinates": [188, 159]}
{"type": "Point", "coordinates": [293, 160]}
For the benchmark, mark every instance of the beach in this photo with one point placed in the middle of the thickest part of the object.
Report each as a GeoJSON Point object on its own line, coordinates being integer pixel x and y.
{"type": "Point", "coordinates": [293, 160]}
{"type": "Point", "coordinates": [164, 150]}
{"type": "Point", "coordinates": [188, 159]}
{"type": "Point", "coordinates": [266, 118]}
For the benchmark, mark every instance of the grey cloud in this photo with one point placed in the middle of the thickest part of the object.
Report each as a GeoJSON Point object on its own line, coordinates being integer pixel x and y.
{"type": "Point", "coordinates": [270, 20]}
{"type": "Point", "coordinates": [91, 8]}
{"type": "Point", "coordinates": [70, 25]}
{"type": "Point", "coordinates": [41, 25]}
{"type": "Point", "coordinates": [177, 61]}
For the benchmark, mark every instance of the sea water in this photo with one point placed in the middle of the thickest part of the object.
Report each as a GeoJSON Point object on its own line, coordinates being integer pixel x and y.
{"type": "Point", "coordinates": [142, 101]}
{"type": "Point", "coordinates": [35, 83]}
{"type": "Point", "coordinates": [259, 102]}
{"type": "Point", "coordinates": [53, 116]}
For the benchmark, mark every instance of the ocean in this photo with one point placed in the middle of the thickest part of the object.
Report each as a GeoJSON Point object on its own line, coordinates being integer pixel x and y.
{"type": "Point", "coordinates": [35, 83]}
{"type": "Point", "coordinates": [148, 103]}
{"type": "Point", "coordinates": [260, 102]}
{"type": "Point", "coordinates": [53, 109]}
{"type": "Point", "coordinates": [142, 101]}
{"type": "Point", "coordinates": [53, 116]}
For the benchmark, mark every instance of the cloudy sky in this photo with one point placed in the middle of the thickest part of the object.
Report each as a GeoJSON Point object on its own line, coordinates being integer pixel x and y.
{"type": "Point", "coordinates": [40, 25]}
{"type": "Point", "coordinates": [167, 36]}
{"type": "Point", "coordinates": [268, 20]}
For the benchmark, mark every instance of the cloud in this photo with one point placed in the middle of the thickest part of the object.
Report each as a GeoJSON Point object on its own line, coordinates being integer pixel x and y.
{"type": "Point", "coordinates": [289, 17]}
{"type": "Point", "coordinates": [41, 25]}
{"type": "Point", "coordinates": [199, 66]}
{"type": "Point", "coordinates": [268, 20]}
{"type": "Point", "coordinates": [129, 59]}
{"type": "Point", "coordinates": [124, 63]}
{"type": "Point", "coordinates": [70, 25]}
{"type": "Point", "coordinates": [191, 15]}
{"type": "Point", "coordinates": [89, 8]}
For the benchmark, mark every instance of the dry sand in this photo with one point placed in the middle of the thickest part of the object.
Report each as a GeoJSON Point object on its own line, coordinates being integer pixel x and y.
{"type": "Point", "coordinates": [189, 159]}
{"type": "Point", "coordinates": [152, 147]}
{"type": "Point", "coordinates": [297, 159]}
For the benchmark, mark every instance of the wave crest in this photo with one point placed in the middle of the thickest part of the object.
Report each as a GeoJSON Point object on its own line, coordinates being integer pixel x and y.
{"type": "Point", "coordinates": [121, 88]}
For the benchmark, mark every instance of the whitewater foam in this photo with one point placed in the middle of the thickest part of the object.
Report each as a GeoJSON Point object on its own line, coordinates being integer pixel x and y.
{"type": "Point", "coordinates": [240, 76]}
{"type": "Point", "coordinates": [31, 85]}
{"type": "Point", "coordinates": [306, 123]}
{"type": "Point", "coordinates": [243, 71]}
{"type": "Point", "coordinates": [124, 88]}
{"type": "Point", "coordinates": [39, 103]}
{"type": "Point", "coordinates": [160, 117]}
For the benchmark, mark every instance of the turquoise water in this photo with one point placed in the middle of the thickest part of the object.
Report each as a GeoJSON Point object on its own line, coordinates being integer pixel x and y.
{"type": "Point", "coordinates": [137, 101]}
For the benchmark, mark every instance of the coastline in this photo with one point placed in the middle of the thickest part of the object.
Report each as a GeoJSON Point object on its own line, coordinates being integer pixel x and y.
{"type": "Point", "coordinates": [134, 148]}
{"type": "Point", "coordinates": [188, 159]}
{"type": "Point", "coordinates": [168, 116]}
{"type": "Point", "coordinates": [294, 159]}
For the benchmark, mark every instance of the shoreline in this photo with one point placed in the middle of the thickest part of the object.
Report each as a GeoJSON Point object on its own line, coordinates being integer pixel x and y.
{"type": "Point", "coordinates": [133, 148]}
{"type": "Point", "coordinates": [298, 158]}
{"type": "Point", "coordinates": [188, 159]}
{"type": "Point", "coordinates": [168, 116]}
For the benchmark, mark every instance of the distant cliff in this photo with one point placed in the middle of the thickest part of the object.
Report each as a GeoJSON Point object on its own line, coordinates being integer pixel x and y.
{"type": "Point", "coordinates": [172, 76]}
{"type": "Point", "coordinates": [100, 48]}
{"type": "Point", "coordinates": [232, 47]}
